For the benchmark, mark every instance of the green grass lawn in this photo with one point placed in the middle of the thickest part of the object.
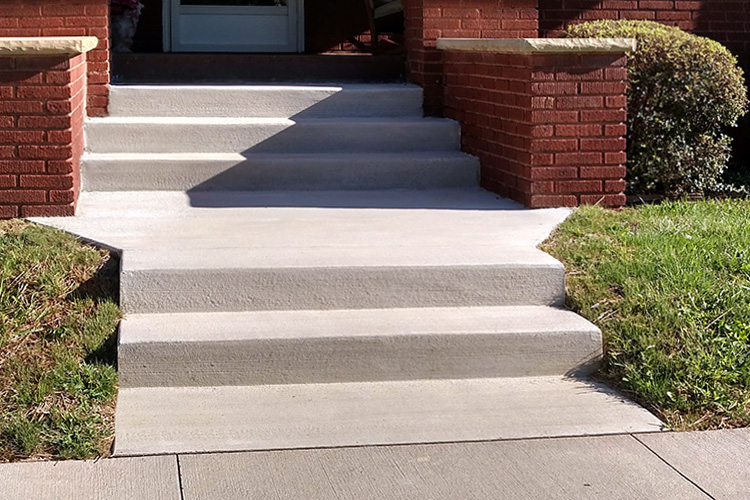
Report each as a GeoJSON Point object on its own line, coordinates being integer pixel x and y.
{"type": "Point", "coordinates": [669, 285]}
{"type": "Point", "coordinates": [58, 315]}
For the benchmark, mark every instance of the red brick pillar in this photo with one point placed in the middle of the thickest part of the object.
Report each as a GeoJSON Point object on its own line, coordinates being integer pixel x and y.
{"type": "Point", "coordinates": [42, 108]}
{"type": "Point", "coordinates": [52, 18]}
{"type": "Point", "coordinates": [428, 20]}
{"type": "Point", "coordinates": [546, 117]}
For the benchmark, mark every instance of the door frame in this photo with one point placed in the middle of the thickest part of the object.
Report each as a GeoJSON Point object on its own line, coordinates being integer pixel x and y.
{"type": "Point", "coordinates": [167, 25]}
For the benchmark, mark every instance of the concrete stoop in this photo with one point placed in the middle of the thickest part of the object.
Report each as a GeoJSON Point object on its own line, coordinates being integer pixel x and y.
{"type": "Point", "coordinates": [392, 301]}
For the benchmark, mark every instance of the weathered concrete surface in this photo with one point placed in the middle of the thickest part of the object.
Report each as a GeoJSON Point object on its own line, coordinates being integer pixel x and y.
{"type": "Point", "coordinates": [614, 467]}
{"type": "Point", "coordinates": [269, 101]}
{"type": "Point", "coordinates": [269, 135]}
{"type": "Point", "coordinates": [268, 347]}
{"type": "Point", "coordinates": [200, 419]}
{"type": "Point", "coordinates": [138, 478]}
{"type": "Point", "coordinates": [259, 172]}
{"type": "Point", "coordinates": [717, 461]}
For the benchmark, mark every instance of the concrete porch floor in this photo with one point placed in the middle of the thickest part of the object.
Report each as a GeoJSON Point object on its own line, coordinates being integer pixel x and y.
{"type": "Point", "coordinates": [697, 465]}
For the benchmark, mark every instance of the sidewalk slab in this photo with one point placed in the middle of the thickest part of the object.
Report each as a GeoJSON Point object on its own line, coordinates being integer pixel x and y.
{"type": "Point", "coordinates": [717, 461]}
{"type": "Point", "coordinates": [141, 478]}
{"type": "Point", "coordinates": [613, 467]}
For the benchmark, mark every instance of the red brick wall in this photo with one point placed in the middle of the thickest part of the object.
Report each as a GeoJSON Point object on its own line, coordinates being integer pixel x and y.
{"type": "Point", "coordinates": [727, 21]}
{"type": "Point", "coordinates": [549, 129]}
{"type": "Point", "coordinates": [27, 18]}
{"type": "Point", "coordinates": [42, 107]}
{"type": "Point", "coordinates": [428, 20]}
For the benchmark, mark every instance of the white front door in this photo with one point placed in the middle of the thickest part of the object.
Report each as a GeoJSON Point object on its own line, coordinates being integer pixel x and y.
{"type": "Point", "coordinates": [236, 26]}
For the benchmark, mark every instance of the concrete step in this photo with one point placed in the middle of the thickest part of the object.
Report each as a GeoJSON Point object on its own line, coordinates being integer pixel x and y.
{"type": "Point", "coordinates": [213, 171]}
{"type": "Point", "coordinates": [164, 420]}
{"type": "Point", "coordinates": [267, 101]}
{"type": "Point", "coordinates": [269, 135]}
{"type": "Point", "coordinates": [296, 347]}
{"type": "Point", "coordinates": [181, 279]}
{"type": "Point", "coordinates": [238, 251]}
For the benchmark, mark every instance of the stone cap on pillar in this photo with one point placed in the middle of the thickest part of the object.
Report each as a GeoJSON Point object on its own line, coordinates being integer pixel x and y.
{"type": "Point", "coordinates": [46, 45]}
{"type": "Point", "coordinates": [539, 45]}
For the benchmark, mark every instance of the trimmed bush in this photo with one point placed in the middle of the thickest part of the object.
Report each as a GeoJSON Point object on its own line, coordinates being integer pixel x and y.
{"type": "Point", "coordinates": [684, 91]}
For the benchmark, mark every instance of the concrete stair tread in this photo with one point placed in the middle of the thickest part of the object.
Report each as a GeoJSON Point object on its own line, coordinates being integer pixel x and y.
{"type": "Point", "coordinates": [271, 171]}
{"type": "Point", "coordinates": [328, 155]}
{"type": "Point", "coordinates": [264, 134]}
{"type": "Point", "coordinates": [156, 204]}
{"type": "Point", "coordinates": [396, 99]}
{"type": "Point", "coordinates": [203, 419]}
{"type": "Point", "coordinates": [283, 347]}
{"type": "Point", "coordinates": [251, 120]}
{"type": "Point", "coordinates": [398, 322]}
{"type": "Point", "coordinates": [261, 87]}
{"type": "Point", "coordinates": [182, 254]}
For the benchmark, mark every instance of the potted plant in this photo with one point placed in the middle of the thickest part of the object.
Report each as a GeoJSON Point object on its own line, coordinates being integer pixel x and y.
{"type": "Point", "coordinates": [125, 15]}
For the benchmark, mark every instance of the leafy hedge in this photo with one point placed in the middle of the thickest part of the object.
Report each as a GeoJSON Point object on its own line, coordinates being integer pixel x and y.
{"type": "Point", "coordinates": [684, 91]}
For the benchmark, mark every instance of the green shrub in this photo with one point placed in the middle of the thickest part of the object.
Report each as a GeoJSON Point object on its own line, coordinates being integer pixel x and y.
{"type": "Point", "coordinates": [684, 91]}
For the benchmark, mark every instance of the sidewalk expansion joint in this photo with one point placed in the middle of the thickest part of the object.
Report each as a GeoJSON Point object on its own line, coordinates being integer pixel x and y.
{"type": "Point", "coordinates": [686, 478]}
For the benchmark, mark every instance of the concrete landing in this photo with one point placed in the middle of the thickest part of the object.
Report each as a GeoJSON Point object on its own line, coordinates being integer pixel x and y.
{"type": "Point", "coordinates": [279, 219]}
{"type": "Point", "coordinates": [199, 419]}
{"type": "Point", "coordinates": [289, 250]}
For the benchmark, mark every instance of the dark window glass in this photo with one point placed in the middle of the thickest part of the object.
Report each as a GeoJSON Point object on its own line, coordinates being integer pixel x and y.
{"type": "Point", "coordinates": [235, 3]}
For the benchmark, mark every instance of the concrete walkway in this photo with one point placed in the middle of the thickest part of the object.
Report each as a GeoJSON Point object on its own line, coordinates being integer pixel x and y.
{"type": "Point", "coordinates": [683, 466]}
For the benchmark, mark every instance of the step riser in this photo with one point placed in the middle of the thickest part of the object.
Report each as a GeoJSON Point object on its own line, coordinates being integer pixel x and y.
{"type": "Point", "coordinates": [366, 172]}
{"type": "Point", "coordinates": [281, 137]}
{"type": "Point", "coordinates": [263, 101]}
{"type": "Point", "coordinates": [356, 359]}
{"type": "Point", "coordinates": [153, 291]}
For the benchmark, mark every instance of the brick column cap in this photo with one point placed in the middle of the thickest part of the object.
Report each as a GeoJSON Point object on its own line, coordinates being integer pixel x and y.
{"type": "Point", "coordinates": [46, 45]}
{"type": "Point", "coordinates": [539, 45]}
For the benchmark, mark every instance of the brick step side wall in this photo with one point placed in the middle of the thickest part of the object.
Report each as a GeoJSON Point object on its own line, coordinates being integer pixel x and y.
{"type": "Point", "coordinates": [34, 18]}
{"type": "Point", "coordinates": [42, 108]}
{"type": "Point", "coordinates": [549, 129]}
